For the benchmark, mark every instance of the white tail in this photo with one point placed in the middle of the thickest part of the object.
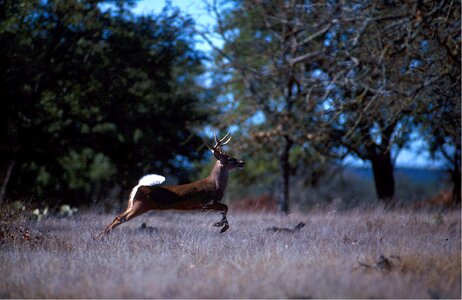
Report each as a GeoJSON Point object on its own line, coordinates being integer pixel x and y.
{"type": "Point", "coordinates": [147, 180]}
{"type": "Point", "coordinates": [151, 179]}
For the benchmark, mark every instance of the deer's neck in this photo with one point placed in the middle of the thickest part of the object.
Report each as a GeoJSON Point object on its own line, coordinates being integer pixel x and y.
{"type": "Point", "coordinates": [219, 176]}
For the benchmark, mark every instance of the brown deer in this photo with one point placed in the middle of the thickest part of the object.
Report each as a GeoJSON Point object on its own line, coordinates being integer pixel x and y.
{"type": "Point", "coordinates": [204, 194]}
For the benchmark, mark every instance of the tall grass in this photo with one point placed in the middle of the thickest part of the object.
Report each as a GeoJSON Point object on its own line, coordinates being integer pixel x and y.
{"type": "Point", "coordinates": [183, 256]}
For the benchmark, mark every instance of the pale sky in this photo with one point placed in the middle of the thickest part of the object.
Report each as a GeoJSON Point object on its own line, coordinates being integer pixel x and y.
{"type": "Point", "coordinates": [196, 9]}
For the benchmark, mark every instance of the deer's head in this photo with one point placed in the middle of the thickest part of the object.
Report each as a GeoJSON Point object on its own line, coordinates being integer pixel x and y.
{"type": "Point", "coordinates": [226, 160]}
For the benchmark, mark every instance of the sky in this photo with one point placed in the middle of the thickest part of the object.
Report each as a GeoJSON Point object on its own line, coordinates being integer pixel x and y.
{"type": "Point", "coordinates": [193, 7]}
{"type": "Point", "coordinates": [413, 157]}
{"type": "Point", "coordinates": [196, 9]}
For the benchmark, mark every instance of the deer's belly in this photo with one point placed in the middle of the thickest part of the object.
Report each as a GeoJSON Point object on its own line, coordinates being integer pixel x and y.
{"type": "Point", "coordinates": [166, 199]}
{"type": "Point", "coordinates": [178, 205]}
{"type": "Point", "coordinates": [188, 205]}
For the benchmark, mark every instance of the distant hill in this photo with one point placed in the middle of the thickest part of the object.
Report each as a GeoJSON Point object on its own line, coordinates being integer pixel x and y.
{"type": "Point", "coordinates": [411, 184]}
{"type": "Point", "coordinates": [415, 175]}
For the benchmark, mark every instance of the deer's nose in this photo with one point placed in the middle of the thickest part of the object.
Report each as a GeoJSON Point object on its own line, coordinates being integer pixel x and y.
{"type": "Point", "coordinates": [241, 164]}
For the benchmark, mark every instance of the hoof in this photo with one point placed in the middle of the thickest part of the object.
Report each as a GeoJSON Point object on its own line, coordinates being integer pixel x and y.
{"type": "Point", "coordinates": [219, 224]}
{"type": "Point", "coordinates": [224, 228]}
{"type": "Point", "coordinates": [98, 237]}
{"type": "Point", "coordinates": [102, 235]}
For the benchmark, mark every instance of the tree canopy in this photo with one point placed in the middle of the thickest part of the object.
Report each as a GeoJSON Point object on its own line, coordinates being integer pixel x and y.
{"type": "Point", "coordinates": [92, 98]}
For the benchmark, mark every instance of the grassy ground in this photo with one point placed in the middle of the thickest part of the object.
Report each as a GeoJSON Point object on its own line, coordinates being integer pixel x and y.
{"type": "Point", "coordinates": [336, 255]}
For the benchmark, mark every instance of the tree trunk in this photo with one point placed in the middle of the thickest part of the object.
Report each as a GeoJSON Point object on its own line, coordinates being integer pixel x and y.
{"type": "Point", "coordinates": [6, 180]}
{"type": "Point", "coordinates": [456, 191]}
{"type": "Point", "coordinates": [382, 168]}
{"type": "Point", "coordinates": [283, 203]}
{"type": "Point", "coordinates": [456, 177]}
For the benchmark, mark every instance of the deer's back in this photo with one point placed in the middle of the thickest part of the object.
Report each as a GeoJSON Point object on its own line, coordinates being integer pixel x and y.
{"type": "Point", "coordinates": [184, 197]}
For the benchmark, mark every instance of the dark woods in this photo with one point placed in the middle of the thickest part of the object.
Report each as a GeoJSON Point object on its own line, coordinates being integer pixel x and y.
{"type": "Point", "coordinates": [91, 97]}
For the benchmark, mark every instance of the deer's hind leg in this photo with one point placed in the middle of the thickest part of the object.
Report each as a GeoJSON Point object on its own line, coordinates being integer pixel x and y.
{"type": "Point", "coordinates": [223, 208]}
{"type": "Point", "coordinates": [135, 210]}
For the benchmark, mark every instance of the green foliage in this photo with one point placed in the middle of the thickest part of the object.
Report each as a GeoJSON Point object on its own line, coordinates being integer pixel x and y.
{"type": "Point", "coordinates": [94, 98]}
{"type": "Point", "coordinates": [83, 168]}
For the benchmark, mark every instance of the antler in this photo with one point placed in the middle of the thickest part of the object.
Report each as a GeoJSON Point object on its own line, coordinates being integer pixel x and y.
{"type": "Point", "coordinates": [218, 142]}
{"type": "Point", "coordinates": [222, 142]}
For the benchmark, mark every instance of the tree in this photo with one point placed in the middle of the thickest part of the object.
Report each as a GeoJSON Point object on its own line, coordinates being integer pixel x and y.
{"type": "Point", "coordinates": [367, 120]}
{"type": "Point", "coordinates": [265, 64]}
{"type": "Point", "coordinates": [440, 121]}
{"type": "Point", "coordinates": [443, 136]}
{"type": "Point", "coordinates": [393, 79]}
{"type": "Point", "coordinates": [92, 98]}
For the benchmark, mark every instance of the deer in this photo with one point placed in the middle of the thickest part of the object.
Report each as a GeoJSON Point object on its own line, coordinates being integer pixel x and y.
{"type": "Point", "coordinates": [204, 194]}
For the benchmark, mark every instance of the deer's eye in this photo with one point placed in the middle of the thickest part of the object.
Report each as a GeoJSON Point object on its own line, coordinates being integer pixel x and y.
{"type": "Point", "coordinates": [230, 159]}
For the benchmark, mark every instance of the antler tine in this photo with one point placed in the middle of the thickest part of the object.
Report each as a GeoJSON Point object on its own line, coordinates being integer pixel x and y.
{"type": "Point", "coordinates": [217, 142]}
{"type": "Point", "coordinates": [226, 135]}
{"type": "Point", "coordinates": [220, 142]}
{"type": "Point", "coordinates": [227, 141]}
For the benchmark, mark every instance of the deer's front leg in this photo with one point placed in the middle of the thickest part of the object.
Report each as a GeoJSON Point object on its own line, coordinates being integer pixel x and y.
{"type": "Point", "coordinates": [224, 210]}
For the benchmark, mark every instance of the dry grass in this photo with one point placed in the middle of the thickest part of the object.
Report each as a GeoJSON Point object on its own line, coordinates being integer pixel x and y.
{"type": "Point", "coordinates": [183, 256]}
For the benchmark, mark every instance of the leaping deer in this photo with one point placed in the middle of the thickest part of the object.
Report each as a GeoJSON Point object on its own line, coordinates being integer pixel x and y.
{"type": "Point", "coordinates": [203, 194]}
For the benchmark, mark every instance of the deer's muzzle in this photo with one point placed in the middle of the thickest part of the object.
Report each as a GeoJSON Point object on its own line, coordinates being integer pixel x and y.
{"type": "Point", "coordinates": [241, 164]}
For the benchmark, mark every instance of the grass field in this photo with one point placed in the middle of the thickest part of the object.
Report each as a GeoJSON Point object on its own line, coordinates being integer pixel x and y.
{"type": "Point", "coordinates": [180, 255]}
